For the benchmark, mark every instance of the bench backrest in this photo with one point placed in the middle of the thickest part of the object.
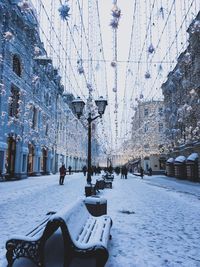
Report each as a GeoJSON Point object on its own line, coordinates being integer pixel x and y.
{"type": "Point", "coordinates": [74, 218]}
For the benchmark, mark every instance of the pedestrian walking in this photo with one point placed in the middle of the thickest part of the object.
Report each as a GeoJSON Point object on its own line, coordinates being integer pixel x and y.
{"type": "Point", "coordinates": [62, 171]}
{"type": "Point", "coordinates": [150, 171]}
{"type": "Point", "coordinates": [84, 170]}
{"type": "Point", "coordinates": [70, 169]}
{"type": "Point", "coordinates": [141, 172]}
{"type": "Point", "coordinates": [125, 172]}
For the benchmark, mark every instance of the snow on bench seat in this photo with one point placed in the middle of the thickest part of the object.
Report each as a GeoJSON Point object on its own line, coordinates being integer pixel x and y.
{"type": "Point", "coordinates": [84, 235]}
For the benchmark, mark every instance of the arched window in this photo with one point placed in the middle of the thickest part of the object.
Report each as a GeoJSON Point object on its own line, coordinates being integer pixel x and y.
{"type": "Point", "coordinates": [17, 65]}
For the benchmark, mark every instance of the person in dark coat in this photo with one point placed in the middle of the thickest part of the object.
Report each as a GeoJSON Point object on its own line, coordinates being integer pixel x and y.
{"type": "Point", "coordinates": [141, 172]}
{"type": "Point", "coordinates": [125, 172]}
{"type": "Point", "coordinates": [84, 170]}
{"type": "Point", "coordinates": [70, 169]}
{"type": "Point", "coordinates": [150, 171]}
{"type": "Point", "coordinates": [62, 171]}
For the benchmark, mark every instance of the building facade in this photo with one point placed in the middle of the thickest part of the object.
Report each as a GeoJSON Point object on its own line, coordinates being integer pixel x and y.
{"type": "Point", "coordinates": [148, 139]}
{"type": "Point", "coordinates": [38, 130]}
{"type": "Point", "coordinates": [182, 99]}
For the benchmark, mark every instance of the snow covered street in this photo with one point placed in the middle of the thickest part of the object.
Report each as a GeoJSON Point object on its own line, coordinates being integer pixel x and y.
{"type": "Point", "coordinates": [156, 221]}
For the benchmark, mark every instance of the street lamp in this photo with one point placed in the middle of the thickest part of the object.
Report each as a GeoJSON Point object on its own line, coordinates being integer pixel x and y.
{"type": "Point", "coordinates": [78, 106]}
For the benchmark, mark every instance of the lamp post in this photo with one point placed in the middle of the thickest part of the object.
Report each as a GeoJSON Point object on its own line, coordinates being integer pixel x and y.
{"type": "Point", "coordinates": [78, 106]}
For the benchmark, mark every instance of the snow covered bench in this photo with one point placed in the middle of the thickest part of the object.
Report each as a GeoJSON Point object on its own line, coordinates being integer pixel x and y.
{"type": "Point", "coordinates": [108, 177]}
{"type": "Point", "coordinates": [31, 245]}
{"type": "Point", "coordinates": [85, 237]}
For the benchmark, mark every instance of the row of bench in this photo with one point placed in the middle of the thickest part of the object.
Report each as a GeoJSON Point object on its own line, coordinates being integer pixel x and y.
{"type": "Point", "coordinates": [84, 236]}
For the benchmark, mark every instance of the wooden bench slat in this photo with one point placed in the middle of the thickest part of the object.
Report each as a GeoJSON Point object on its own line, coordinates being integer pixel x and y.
{"type": "Point", "coordinates": [84, 236]}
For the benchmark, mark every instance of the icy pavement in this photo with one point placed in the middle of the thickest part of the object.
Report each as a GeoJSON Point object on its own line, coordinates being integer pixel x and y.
{"type": "Point", "coordinates": [156, 221]}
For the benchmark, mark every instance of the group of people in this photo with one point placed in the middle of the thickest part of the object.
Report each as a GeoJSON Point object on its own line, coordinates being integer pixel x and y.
{"type": "Point", "coordinates": [63, 172]}
{"type": "Point", "coordinates": [94, 170]}
{"type": "Point", "coordinates": [124, 172]}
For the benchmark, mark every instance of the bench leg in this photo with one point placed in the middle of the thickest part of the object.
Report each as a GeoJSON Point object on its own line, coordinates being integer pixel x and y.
{"type": "Point", "coordinates": [18, 249]}
{"type": "Point", "coordinates": [101, 257]}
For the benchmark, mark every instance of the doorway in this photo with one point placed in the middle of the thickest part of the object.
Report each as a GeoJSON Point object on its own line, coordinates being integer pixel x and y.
{"type": "Point", "coordinates": [10, 157]}
{"type": "Point", "coordinates": [30, 161]}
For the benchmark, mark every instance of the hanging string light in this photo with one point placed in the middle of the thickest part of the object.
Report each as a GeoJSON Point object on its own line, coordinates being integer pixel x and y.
{"type": "Point", "coordinates": [116, 15]}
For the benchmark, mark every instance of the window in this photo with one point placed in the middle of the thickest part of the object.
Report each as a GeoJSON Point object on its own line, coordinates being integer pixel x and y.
{"type": "Point", "coordinates": [146, 112]}
{"type": "Point", "coordinates": [24, 163]}
{"type": "Point", "coordinates": [17, 65]}
{"type": "Point", "coordinates": [160, 127]}
{"type": "Point", "coordinates": [14, 102]}
{"type": "Point", "coordinates": [47, 129]}
{"type": "Point", "coordinates": [160, 111]}
{"type": "Point", "coordinates": [35, 118]}
{"type": "Point", "coordinates": [145, 127]}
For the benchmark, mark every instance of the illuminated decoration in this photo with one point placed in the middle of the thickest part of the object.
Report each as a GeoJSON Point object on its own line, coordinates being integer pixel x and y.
{"type": "Point", "coordinates": [147, 75]}
{"type": "Point", "coordinates": [89, 87]}
{"type": "Point", "coordinates": [162, 12]}
{"type": "Point", "coordinates": [80, 66]}
{"type": "Point", "coordinates": [64, 11]}
{"type": "Point", "coordinates": [116, 15]}
{"type": "Point", "coordinates": [151, 49]}
{"type": "Point", "coordinates": [116, 12]}
{"type": "Point", "coordinates": [113, 64]}
{"type": "Point", "coordinates": [114, 23]}
{"type": "Point", "coordinates": [141, 96]}
{"type": "Point", "coordinates": [160, 68]}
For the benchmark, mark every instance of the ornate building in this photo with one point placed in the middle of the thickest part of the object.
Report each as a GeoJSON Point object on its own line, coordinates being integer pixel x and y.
{"type": "Point", "coordinates": [182, 99]}
{"type": "Point", "coordinates": [38, 131]}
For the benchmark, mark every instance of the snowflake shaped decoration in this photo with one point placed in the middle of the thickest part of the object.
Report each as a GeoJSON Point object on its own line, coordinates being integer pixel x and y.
{"type": "Point", "coordinates": [114, 23]}
{"type": "Point", "coordinates": [64, 12]}
{"type": "Point", "coordinates": [116, 12]}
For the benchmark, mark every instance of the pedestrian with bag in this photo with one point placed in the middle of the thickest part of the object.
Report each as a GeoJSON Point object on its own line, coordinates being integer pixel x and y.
{"type": "Point", "coordinates": [62, 171]}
